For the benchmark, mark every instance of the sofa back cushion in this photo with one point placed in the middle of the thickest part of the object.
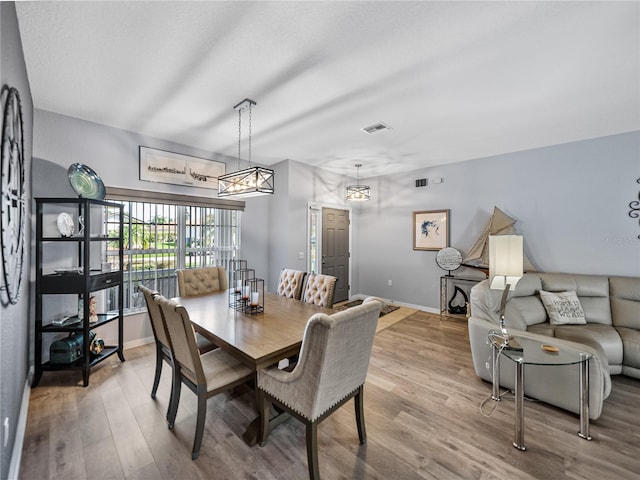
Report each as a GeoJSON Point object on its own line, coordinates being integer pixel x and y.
{"type": "Point", "coordinates": [625, 301]}
{"type": "Point", "coordinates": [592, 290]}
{"type": "Point", "coordinates": [524, 307]}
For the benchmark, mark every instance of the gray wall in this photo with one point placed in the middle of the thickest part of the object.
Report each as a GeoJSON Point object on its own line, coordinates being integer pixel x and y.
{"type": "Point", "coordinates": [298, 184]}
{"type": "Point", "coordinates": [15, 319]}
{"type": "Point", "coordinates": [60, 141]}
{"type": "Point", "coordinates": [571, 202]}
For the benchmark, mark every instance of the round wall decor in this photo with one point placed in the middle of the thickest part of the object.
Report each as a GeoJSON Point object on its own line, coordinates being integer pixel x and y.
{"type": "Point", "coordinates": [449, 258]}
{"type": "Point", "coordinates": [13, 196]}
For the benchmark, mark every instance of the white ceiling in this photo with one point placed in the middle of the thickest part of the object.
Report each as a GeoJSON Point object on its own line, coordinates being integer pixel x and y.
{"type": "Point", "coordinates": [455, 80]}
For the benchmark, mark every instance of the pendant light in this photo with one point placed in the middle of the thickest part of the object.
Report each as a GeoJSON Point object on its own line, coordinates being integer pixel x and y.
{"type": "Point", "coordinates": [358, 193]}
{"type": "Point", "coordinates": [252, 181]}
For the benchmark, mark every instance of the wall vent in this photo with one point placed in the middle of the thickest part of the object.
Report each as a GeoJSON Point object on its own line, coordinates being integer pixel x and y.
{"type": "Point", "coordinates": [376, 128]}
{"type": "Point", "coordinates": [421, 182]}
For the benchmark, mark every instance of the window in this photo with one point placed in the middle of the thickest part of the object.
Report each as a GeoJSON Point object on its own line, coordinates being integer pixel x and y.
{"type": "Point", "coordinates": [162, 237]}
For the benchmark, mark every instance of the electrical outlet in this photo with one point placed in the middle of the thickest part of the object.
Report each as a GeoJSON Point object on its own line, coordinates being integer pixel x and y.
{"type": "Point", "coordinates": [390, 283]}
{"type": "Point", "coordinates": [6, 431]}
{"type": "Point", "coordinates": [300, 255]}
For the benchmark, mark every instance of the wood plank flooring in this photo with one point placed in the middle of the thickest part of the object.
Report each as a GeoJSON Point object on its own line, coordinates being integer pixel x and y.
{"type": "Point", "coordinates": [422, 410]}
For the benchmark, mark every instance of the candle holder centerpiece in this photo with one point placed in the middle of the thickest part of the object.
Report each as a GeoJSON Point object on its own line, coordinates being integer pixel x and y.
{"type": "Point", "coordinates": [238, 289]}
{"type": "Point", "coordinates": [254, 298]}
{"type": "Point", "coordinates": [235, 264]}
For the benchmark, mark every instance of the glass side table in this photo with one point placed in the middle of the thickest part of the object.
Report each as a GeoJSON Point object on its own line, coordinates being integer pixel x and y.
{"type": "Point", "coordinates": [526, 351]}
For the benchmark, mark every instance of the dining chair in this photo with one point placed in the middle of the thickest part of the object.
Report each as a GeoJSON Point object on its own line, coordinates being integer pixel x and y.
{"type": "Point", "coordinates": [290, 283]}
{"type": "Point", "coordinates": [163, 348]}
{"type": "Point", "coordinates": [332, 369]}
{"type": "Point", "coordinates": [205, 375]}
{"type": "Point", "coordinates": [200, 281]}
{"type": "Point", "coordinates": [163, 343]}
{"type": "Point", "coordinates": [319, 290]}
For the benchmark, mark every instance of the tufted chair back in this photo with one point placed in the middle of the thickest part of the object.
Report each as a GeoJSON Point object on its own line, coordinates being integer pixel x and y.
{"type": "Point", "coordinates": [199, 281]}
{"type": "Point", "coordinates": [334, 359]}
{"type": "Point", "coordinates": [319, 290]}
{"type": "Point", "coordinates": [290, 283]}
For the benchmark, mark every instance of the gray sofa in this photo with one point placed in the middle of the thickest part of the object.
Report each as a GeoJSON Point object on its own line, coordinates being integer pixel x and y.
{"type": "Point", "coordinates": [611, 333]}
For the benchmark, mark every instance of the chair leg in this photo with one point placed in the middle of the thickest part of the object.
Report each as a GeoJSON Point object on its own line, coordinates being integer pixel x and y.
{"type": "Point", "coordinates": [156, 380]}
{"type": "Point", "coordinates": [202, 415]}
{"type": "Point", "coordinates": [176, 387]}
{"type": "Point", "coordinates": [312, 451]}
{"type": "Point", "coordinates": [171, 395]}
{"type": "Point", "coordinates": [264, 410]}
{"type": "Point", "coordinates": [359, 403]}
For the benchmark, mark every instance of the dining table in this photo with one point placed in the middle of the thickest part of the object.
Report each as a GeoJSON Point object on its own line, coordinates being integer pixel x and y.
{"type": "Point", "coordinates": [259, 340]}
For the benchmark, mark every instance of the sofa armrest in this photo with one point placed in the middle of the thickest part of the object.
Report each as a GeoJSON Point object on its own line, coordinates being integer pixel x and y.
{"type": "Point", "coordinates": [556, 385]}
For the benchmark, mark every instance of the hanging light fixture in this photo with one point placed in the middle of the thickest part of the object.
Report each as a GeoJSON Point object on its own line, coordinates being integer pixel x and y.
{"type": "Point", "coordinates": [358, 193]}
{"type": "Point", "coordinates": [251, 181]}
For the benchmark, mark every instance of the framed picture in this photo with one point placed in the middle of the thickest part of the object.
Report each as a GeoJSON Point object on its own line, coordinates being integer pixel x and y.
{"type": "Point", "coordinates": [175, 168]}
{"type": "Point", "coordinates": [430, 229]}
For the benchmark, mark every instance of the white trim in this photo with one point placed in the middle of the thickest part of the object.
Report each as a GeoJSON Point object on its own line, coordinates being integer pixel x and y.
{"type": "Point", "coordinates": [138, 342]}
{"type": "Point", "coordinates": [360, 296]}
{"type": "Point", "coordinates": [18, 443]}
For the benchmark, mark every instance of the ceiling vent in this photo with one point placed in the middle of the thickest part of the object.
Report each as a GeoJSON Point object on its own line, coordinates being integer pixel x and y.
{"type": "Point", "coordinates": [376, 128]}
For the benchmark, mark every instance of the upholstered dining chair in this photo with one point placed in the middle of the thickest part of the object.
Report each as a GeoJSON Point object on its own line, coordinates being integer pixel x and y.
{"type": "Point", "coordinates": [200, 281]}
{"type": "Point", "coordinates": [290, 283]}
{"type": "Point", "coordinates": [163, 344]}
{"type": "Point", "coordinates": [205, 375]}
{"type": "Point", "coordinates": [163, 347]}
{"type": "Point", "coordinates": [332, 368]}
{"type": "Point", "coordinates": [319, 290]}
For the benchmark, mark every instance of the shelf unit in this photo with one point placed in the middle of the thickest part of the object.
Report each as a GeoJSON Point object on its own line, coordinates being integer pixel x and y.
{"type": "Point", "coordinates": [87, 251]}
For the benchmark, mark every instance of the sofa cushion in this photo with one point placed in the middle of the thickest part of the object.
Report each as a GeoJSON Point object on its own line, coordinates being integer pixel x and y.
{"type": "Point", "coordinates": [625, 301]}
{"type": "Point", "coordinates": [563, 308]}
{"type": "Point", "coordinates": [601, 337]}
{"type": "Point", "coordinates": [592, 290]}
{"type": "Point", "coordinates": [543, 329]}
{"type": "Point", "coordinates": [631, 345]}
{"type": "Point", "coordinates": [523, 308]}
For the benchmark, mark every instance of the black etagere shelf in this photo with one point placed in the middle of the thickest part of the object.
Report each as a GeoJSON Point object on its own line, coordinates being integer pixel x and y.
{"type": "Point", "coordinates": [79, 248]}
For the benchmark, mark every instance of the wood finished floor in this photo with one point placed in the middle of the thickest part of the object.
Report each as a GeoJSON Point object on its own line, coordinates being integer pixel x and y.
{"type": "Point", "coordinates": [422, 415]}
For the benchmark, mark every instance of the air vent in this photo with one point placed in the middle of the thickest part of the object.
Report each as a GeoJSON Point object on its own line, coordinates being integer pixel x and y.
{"type": "Point", "coordinates": [421, 182]}
{"type": "Point", "coordinates": [376, 128]}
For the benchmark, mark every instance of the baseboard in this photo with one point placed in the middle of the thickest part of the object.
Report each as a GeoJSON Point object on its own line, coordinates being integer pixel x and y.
{"type": "Point", "coordinates": [138, 342]}
{"type": "Point", "coordinates": [400, 304]}
{"type": "Point", "coordinates": [16, 454]}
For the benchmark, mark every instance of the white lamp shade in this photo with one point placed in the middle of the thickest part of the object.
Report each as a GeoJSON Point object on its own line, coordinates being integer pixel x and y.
{"type": "Point", "coordinates": [505, 261]}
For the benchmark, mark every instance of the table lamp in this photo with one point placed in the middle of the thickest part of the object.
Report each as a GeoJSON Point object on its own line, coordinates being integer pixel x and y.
{"type": "Point", "coordinates": [505, 267]}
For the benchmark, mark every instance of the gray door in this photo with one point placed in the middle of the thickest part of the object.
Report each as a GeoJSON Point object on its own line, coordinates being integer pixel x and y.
{"type": "Point", "coordinates": [335, 249]}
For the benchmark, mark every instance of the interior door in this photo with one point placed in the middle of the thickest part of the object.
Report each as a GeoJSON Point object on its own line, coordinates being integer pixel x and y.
{"type": "Point", "coordinates": [335, 249]}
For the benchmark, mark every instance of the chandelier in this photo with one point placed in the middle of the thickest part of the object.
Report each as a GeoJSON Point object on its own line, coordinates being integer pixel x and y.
{"type": "Point", "coordinates": [358, 193]}
{"type": "Point", "coordinates": [251, 181]}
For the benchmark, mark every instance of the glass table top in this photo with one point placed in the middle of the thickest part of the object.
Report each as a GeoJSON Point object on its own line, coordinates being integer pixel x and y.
{"type": "Point", "coordinates": [534, 352]}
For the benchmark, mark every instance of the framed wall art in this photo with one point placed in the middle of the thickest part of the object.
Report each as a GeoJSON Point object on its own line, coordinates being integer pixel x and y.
{"type": "Point", "coordinates": [430, 229]}
{"type": "Point", "coordinates": [175, 168]}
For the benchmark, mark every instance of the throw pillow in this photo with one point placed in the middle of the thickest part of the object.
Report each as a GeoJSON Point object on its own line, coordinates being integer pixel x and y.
{"type": "Point", "coordinates": [563, 308]}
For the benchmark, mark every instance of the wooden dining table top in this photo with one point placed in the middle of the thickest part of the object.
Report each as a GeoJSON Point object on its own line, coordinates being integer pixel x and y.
{"type": "Point", "coordinates": [259, 340]}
